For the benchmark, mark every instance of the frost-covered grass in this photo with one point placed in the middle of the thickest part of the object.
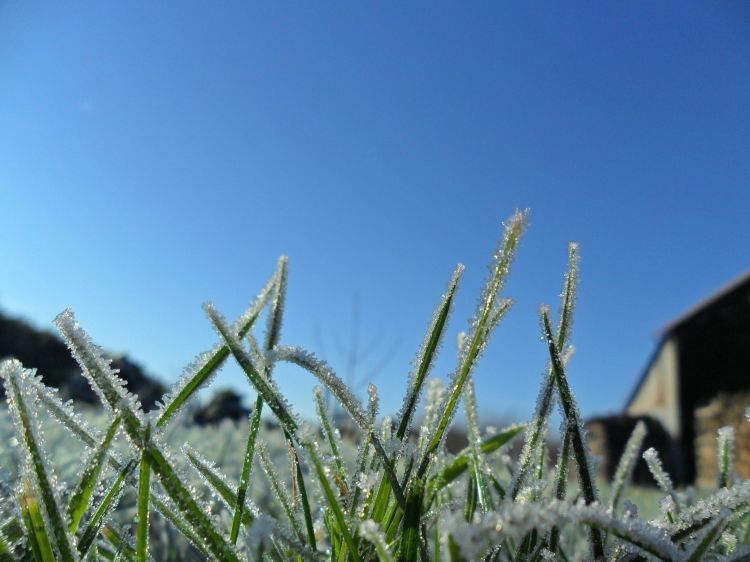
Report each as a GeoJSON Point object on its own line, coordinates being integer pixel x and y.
{"type": "Point", "coordinates": [135, 486]}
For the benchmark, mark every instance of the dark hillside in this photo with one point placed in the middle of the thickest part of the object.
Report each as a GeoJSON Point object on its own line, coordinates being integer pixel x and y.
{"type": "Point", "coordinates": [47, 353]}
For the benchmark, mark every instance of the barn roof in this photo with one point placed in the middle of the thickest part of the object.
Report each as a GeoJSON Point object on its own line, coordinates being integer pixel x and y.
{"type": "Point", "coordinates": [685, 318]}
{"type": "Point", "coordinates": [734, 285]}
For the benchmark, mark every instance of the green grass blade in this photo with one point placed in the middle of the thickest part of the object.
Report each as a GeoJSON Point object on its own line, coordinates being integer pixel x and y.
{"type": "Point", "coordinates": [459, 464]}
{"type": "Point", "coordinates": [162, 504]}
{"type": "Point", "coordinates": [333, 504]}
{"type": "Point", "coordinates": [107, 504]}
{"type": "Point", "coordinates": [302, 488]}
{"type": "Point", "coordinates": [344, 395]}
{"type": "Point", "coordinates": [279, 491]}
{"type": "Point", "coordinates": [561, 486]}
{"type": "Point", "coordinates": [477, 339]}
{"type": "Point", "coordinates": [64, 413]}
{"type": "Point", "coordinates": [82, 494]}
{"type": "Point", "coordinates": [263, 386]}
{"type": "Point", "coordinates": [710, 536]}
{"type": "Point", "coordinates": [200, 372]}
{"type": "Point", "coordinates": [273, 331]}
{"type": "Point", "coordinates": [544, 403]}
{"type": "Point", "coordinates": [219, 483]}
{"type": "Point", "coordinates": [80, 430]}
{"type": "Point", "coordinates": [123, 550]}
{"type": "Point", "coordinates": [427, 352]}
{"type": "Point", "coordinates": [575, 427]}
{"type": "Point", "coordinates": [212, 539]}
{"type": "Point", "coordinates": [477, 464]}
{"type": "Point", "coordinates": [36, 532]}
{"type": "Point", "coordinates": [20, 396]}
{"type": "Point", "coordinates": [363, 452]}
{"type": "Point", "coordinates": [111, 391]}
{"type": "Point", "coordinates": [247, 464]}
{"type": "Point", "coordinates": [96, 368]}
{"type": "Point", "coordinates": [626, 464]}
{"type": "Point", "coordinates": [409, 543]}
{"type": "Point", "coordinates": [273, 334]}
{"type": "Point", "coordinates": [267, 390]}
{"type": "Point", "coordinates": [144, 490]}
{"type": "Point", "coordinates": [325, 423]}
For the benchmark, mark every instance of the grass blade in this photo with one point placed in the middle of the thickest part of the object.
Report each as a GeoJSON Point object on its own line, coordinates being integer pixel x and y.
{"type": "Point", "coordinates": [20, 396]}
{"type": "Point", "coordinates": [362, 458]}
{"type": "Point", "coordinates": [107, 504]}
{"type": "Point", "coordinates": [279, 491]}
{"type": "Point", "coordinates": [333, 504]}
{"type": "Point", "coordinates": [36, 532]}
{"type": "Point", "coordinates": [344, 395]}
{"type": "Point", "coordinates": [574, 426]}
{"type": "Point", "coordinates": [219, 483]}
{"type": "Point", "coordinates": [561, 485]}
{"type": "Point", "coordinates": [427, 352]}
{"type": "Point", "coordinates": [239, 505]}
{"type": "Point", "coordinates": [325, 424]}
{"type": "Point", "coordinates": [96, 368]}
{"type": "Point", "coordinates": [199, 372]}
{"type": "Point", "coordinates": [488, 308]}
{"type": "Point", "coordinates": [710, 536]}
{"type": "Point", "coordinates": [82, 493]}
{"type": "Point", "coordinates": [627, 463]}
{"type": "Point", "coordinates": [459, 464]}
{"type": "Point", "coordinates": [144, 490]}
{"type": "Point", "coordinates": [544, 403]}
{"type": "Point", "coordinates": [212, 539]}
{"type": "Point", "coordinates": [474, 435]}
{"type": "Point", "coordinates": [110, 389]}
{"type": "Point", "coordinates": [263, 386]}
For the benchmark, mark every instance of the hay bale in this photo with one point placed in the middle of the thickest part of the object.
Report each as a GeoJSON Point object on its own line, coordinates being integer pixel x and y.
{"type": "Point", "coordinates": [723, 410]}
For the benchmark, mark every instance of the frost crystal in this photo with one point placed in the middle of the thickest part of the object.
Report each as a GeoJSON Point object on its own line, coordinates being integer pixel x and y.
{"type": "Point", "coordinates": [23, 405]}
{"type": "Point", "coordinates": [657, 470]}
{"type": "Point", "coordinates": [104, 380]}
{"type": "Point", "coordinates": [325, 374]}
{"type": "Point", "coordinates": [371, 531]}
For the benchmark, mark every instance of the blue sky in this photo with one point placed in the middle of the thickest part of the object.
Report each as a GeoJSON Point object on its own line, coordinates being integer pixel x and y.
{"type": "Point", "coordinates": [156, 156]}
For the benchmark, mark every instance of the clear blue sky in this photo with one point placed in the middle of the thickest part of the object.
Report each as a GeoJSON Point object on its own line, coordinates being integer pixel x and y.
{"type": "Point", "coordinates": [157, 155]}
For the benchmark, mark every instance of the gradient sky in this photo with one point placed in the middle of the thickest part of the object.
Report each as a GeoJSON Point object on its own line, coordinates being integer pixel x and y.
{"type": "Point", "coordinates": [157, 155]}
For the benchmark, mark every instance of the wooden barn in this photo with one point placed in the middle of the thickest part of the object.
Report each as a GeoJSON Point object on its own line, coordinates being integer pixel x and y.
{"type": "Point", "coordinates": [697, 380]}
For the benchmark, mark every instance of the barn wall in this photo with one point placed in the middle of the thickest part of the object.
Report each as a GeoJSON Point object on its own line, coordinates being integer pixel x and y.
{"type": "Point", "coordinates": [658, 394]}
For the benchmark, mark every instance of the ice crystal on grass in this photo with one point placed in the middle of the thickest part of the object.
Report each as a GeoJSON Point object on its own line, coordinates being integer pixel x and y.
{"type": "Point", "coordinates": [64, 413]}
{"type": "Point", "coordinates": [23, 402]}
{"type": "Point", "coordinates": [371, 531]}
{"type": "Point", "coordinates": [110, 388]}
{"type": "Point", "coordinates": [328, 377]}
{"type": "Point", "coordinates": [657, 471]}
